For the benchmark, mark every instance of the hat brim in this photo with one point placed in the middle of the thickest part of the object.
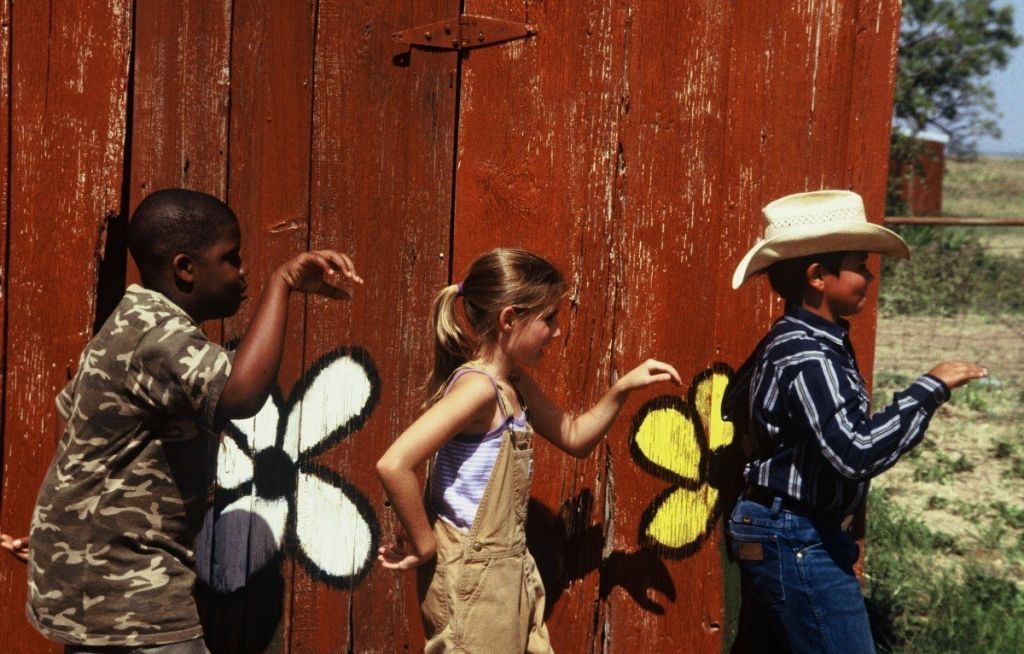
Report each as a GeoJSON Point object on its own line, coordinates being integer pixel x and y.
{"type": "Point", "coordinates": [860, 237]}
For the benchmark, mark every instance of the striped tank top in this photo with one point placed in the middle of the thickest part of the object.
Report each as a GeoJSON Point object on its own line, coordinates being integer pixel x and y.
{"type": "Point", "coordinates": [463, 465]}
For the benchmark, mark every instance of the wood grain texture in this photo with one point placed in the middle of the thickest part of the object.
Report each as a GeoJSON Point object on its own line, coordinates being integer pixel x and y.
{"type": "Point", "coordinates": [268, 187]}
{"type": "Point", "coordinates": [68, 83]}
{"type": "Point", "coordinates": [12, 574]}
{"type": "Point", "coordinates": [383, 138]}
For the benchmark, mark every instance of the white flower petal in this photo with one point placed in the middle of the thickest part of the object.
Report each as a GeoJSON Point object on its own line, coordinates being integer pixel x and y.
{"type": "Point", "coordinates": [246, 534]}
{"type": "Point", "coordinates": [338, 393]}
{"type": "Point", "coordinates": [331, 532]}
{"type": "Point", "coordinates": [234, 467]}
{"type": "Point", "coordinates": [261, 430]}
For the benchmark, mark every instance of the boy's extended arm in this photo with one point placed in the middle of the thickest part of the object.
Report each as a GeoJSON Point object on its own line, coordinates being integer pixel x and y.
{"type": "Point", "coordinates": [578, 435]}
{"type": "Point", "coordinates": [259, 354]}
{"type": "Point", "coordinates": [857, 444]}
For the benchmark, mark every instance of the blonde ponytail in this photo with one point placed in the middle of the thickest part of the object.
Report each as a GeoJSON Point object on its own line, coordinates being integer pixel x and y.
{"type": "Point", "coordinates": [453, 346]}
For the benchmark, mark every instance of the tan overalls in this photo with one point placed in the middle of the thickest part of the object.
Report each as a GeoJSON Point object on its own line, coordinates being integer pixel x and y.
{"type": "Point", "coordinates": [484, 595]}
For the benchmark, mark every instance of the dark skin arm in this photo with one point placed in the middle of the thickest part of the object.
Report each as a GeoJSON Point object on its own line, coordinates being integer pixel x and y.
{"type": "Point", "coordinates": [259, 354]}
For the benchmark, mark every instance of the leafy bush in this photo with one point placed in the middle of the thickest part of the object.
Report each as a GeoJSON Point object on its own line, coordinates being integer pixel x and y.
{"type": "Point", "coordinates": [950, 273]}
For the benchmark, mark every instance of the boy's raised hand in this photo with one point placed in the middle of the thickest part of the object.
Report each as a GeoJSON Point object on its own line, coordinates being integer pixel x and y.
{"type": "Point", "coordinates": [317, 273]}
{"type": "Point", "coordinates": [18, 547]}
{"type": "Point", "coordinates": [649, 372]}
{"type": "Point", "coordinates": [957, 373]}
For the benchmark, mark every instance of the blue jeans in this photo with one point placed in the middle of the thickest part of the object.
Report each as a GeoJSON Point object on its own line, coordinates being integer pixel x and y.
{"type": "Point", "coordinates": [799, 590]}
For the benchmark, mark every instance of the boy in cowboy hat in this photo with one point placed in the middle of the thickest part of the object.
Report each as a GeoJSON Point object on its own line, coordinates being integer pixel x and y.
{"type": "Point", "coordinates": [817, 445]}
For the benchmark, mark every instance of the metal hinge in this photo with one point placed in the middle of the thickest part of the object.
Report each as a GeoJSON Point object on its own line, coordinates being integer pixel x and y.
{"type": "Point", "coordinates": [462, 33]}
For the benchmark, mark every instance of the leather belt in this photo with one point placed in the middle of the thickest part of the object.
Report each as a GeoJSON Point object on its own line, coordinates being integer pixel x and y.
{"type": "Point", "coordinates": [766, 498]}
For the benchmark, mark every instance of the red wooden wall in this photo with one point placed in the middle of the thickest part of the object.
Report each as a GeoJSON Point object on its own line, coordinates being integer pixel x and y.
{"type": "Point", "coordinates": [921, 180]}
{"type": "Point", "coordinates": [633, 143]}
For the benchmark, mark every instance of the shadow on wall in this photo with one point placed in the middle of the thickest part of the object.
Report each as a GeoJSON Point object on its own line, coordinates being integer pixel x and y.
{"type": "Point", "coordinates": [567, 548]}
{"type": "Point", "coordinates": [246, 620]}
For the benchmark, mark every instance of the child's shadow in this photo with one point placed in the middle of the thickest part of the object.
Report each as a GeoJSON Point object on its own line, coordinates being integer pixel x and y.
{"type": "Point", "coordinates": [567, 548]}
{"type": "Point", "coordinates": [247, 619]}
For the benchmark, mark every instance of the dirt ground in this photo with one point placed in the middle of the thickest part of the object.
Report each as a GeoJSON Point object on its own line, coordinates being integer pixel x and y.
{"type": "Point", "coordinates": [966, 480]}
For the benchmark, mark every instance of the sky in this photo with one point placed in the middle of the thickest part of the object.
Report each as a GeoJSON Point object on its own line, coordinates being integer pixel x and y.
{"type": "Point", "coordinates": [1009, 87]}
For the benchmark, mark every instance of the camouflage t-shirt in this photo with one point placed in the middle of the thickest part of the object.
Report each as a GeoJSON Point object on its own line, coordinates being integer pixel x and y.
{"type": "Point", "coordinates": [111, 559]}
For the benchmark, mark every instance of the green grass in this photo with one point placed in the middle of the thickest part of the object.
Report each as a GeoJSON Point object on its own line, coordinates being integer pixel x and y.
{"type": "Point", "coordinates": [916, 606]}
{"type": "Point", "coordinates": [1001, 180]}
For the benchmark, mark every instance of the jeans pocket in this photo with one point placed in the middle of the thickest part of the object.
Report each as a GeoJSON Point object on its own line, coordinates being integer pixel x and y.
{"type": "Point", "coordinates": [839, 550]}
{"type": "Point", "coordinates": [760, 560]}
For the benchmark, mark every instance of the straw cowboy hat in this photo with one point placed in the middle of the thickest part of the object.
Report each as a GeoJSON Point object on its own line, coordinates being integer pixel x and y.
{"type": "Point", "coordinates": [813, 223]}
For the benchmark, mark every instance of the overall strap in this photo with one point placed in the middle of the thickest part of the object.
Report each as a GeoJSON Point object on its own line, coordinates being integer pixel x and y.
{"type": "Point", "coordinates": [462, 370]}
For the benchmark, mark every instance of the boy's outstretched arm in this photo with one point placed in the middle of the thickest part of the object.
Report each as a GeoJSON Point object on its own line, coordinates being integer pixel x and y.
{"type": "Point", "coordinates": [578, 435]}
{"type": "Point", "coordinates": [259, 354]}
{"type": "Point", "coordinates": [18, 547]}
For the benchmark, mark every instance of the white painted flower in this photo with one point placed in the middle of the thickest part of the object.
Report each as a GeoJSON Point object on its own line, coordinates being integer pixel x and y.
{"type": "Point", "coordinates": [273, 497]}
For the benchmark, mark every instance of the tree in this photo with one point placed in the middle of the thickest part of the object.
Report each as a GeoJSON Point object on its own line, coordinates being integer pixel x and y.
{"type": "Point", "coordinates": [947, 49]}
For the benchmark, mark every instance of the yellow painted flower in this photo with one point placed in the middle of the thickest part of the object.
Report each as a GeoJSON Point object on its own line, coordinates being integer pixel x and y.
{"type": "Point", "coordinates": [676, 440]}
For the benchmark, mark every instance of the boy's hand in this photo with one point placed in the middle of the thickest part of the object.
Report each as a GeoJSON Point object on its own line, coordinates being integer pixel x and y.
{"type": "Point", "coordinates": [647, 373]}
{"type": "Point", "coordinates": [317, 273]}
{"type": "Point", "coordinates": [400, 555]}
{"type": "Point", "coordinates": [957, 373]}
{"type": "Point", "coordinates": [18, 547]}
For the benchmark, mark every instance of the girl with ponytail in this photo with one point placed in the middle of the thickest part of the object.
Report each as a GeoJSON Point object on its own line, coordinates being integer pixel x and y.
{"type": "Point", "coordinates": [477, 431]}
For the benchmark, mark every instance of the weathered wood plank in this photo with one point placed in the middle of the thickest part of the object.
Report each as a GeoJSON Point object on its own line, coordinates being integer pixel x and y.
{"type": "Point", "coordinates": [268, 187]}
{"type": "Point", "coordinates": [181, 96]}
{"type": "Point", "coordinates": [670, 187]}
{"type": "Point", "coordinates": [383, 139]}
{"type": "Point", "coordinates": [68, 81]}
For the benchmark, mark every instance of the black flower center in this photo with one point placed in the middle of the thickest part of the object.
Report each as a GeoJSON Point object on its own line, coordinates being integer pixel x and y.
{"type": "Point", "coordinates": [274, 474]}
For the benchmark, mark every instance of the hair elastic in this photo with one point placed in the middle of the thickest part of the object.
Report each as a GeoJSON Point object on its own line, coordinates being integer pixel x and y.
{"type": "Point", "coordinates": [458, 288]}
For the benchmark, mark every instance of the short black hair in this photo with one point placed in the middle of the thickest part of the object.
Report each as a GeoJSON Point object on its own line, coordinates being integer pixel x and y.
{"type": "Point", "coordinates": [172, 221]}
{"type": "Point", "coordinates": [789, 276]}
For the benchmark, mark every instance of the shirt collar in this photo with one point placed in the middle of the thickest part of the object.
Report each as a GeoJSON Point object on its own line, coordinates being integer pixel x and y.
{"type": "Point", "coordinates": [837, 332]}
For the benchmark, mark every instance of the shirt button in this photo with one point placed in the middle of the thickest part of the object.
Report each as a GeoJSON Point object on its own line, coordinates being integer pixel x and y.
{"type": "Point", "coordinates": [799, 555]}
{"type": "Point", "coordinates": [477, 547]}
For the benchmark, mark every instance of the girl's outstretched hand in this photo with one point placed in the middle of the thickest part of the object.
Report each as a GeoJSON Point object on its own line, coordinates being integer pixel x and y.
{"type": "Point", "coordinates": [319, 273]}
{"type": "Point", "coordinates": [400, 555]}
{"type": "Point", "coordinates": [649, 372]}
{"type": "Point", "coordinates": [957, 373]}
{"type": "Point", "coordinates": [18, 547]}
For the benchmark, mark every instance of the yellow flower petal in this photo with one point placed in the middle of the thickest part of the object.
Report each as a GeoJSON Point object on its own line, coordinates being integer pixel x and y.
{"type": "Point", "coordinates": [682, 518]}
{"type": "Point", "coordinates": [708, 399]}
{"type": "Point", "coordinates": [667, 439]}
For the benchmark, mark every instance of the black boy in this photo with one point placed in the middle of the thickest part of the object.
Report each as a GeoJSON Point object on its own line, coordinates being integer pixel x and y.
{"type": "Point", "coordinates": [110, 560]}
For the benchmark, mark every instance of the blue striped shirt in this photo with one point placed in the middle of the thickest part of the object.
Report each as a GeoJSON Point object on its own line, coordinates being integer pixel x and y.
{"type": "Point", "coordinates": [809, 415]}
